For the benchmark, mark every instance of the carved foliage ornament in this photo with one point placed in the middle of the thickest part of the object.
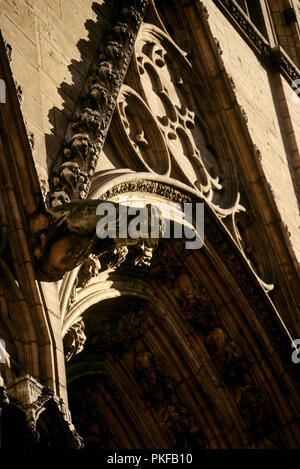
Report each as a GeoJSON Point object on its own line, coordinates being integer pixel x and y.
{"type": "Point", "coordinates": [275, 57]}
{"type": "Point", "coordinates": [124, 254]}
{"type": "Point", "coordinates": [86, 135]}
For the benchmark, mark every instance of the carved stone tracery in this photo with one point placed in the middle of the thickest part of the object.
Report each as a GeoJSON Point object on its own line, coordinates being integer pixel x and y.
{"type": "Point", "coordinates": [165, 79]}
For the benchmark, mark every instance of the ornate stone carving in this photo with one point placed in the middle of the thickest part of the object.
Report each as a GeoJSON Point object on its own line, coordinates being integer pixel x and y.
{"type": "Point", "coordinates": [89, 269]}
{"type": "Point", "coordinates": [149, 373]}
{"type": "Point", "coordinates": [170, 99]}
{"type": "Point", "coordinates": [117, 257]}
{"type": "Point", "coordinates": [249, 284]}
{"type": "Point", "coordinates": [196, 303]}
{"type": "Point", "coordinates": [226, 355]}
{"type": "Point", "coordinates": [64, 183]}
{"type": "Point", "coordinates": [145, 250]}
{"type": "Point", "coordinates": [127, 253]}
{"type": "Point", "coordinates": [31, 397]}
{"type": "Point", "coordinates": [91, 124]}
{"type": "Point", "coordinates": [290, 15]}
{"type": "Point", "coordinates": [71, 229]}
{"type": "Point", "coordinates": [160, 391]}
{"type": "Point", "coordinates": [181, 428]}
{"type": "Point", "coordinates": [74, 339]}
{"type": "Point", "coordinates": [66, 236]}
{"type": "Point", "coordinates": [156, 384]}
{"type": "Point", "coordinates": [242, 20]}
{"type": "Point", "coordinates": [119, 335]}
{"type": "Point", "coordinates": [199, 308]}
{"type": "Point", "coordinates": [143, 185]}
{"type": "Point", "coordinates": [166, 266]}
{"type": "Point", "coordinates": [287, 66]}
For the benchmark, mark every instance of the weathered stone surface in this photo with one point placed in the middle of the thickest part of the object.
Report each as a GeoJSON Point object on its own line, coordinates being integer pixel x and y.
{"type": "Point", "coordinates": [149, 344]}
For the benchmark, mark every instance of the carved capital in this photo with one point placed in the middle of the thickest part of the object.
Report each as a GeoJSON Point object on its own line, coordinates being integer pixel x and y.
{"type": "Point", "coordinates": [74, 340]}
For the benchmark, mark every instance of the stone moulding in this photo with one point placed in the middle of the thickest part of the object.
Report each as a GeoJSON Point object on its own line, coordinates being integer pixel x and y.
{"type": "Point", "coordinates": [142, 185]}
{"type": "Point", "coordinates": [86, 135]}
{"type": "Point", "coordinates": [275, 58]}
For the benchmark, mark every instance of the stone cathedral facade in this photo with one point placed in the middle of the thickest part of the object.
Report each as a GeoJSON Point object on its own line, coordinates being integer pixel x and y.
{"type": "Point", "coordinates": [130, 344]}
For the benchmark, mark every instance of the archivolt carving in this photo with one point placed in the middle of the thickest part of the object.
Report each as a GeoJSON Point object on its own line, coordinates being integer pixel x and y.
{"type": "Point", "coordinates": [181, 428]}
{"type": "Point", "coordinates": [149, 373]}
{"type": "Point", "coordinates": [132, 255]}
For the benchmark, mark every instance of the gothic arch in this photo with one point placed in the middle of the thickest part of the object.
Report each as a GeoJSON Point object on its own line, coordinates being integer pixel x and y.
{"type": "Point", "coordinates": [203, 296]}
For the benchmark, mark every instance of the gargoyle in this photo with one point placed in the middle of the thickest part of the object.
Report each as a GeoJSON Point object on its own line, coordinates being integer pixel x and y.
{"type": "Point", "coordinates": [66, 235]}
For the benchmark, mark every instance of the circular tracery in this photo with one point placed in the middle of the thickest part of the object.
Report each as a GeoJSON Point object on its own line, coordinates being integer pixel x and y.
{"type": "Point", "coordinates": [137, 132]}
